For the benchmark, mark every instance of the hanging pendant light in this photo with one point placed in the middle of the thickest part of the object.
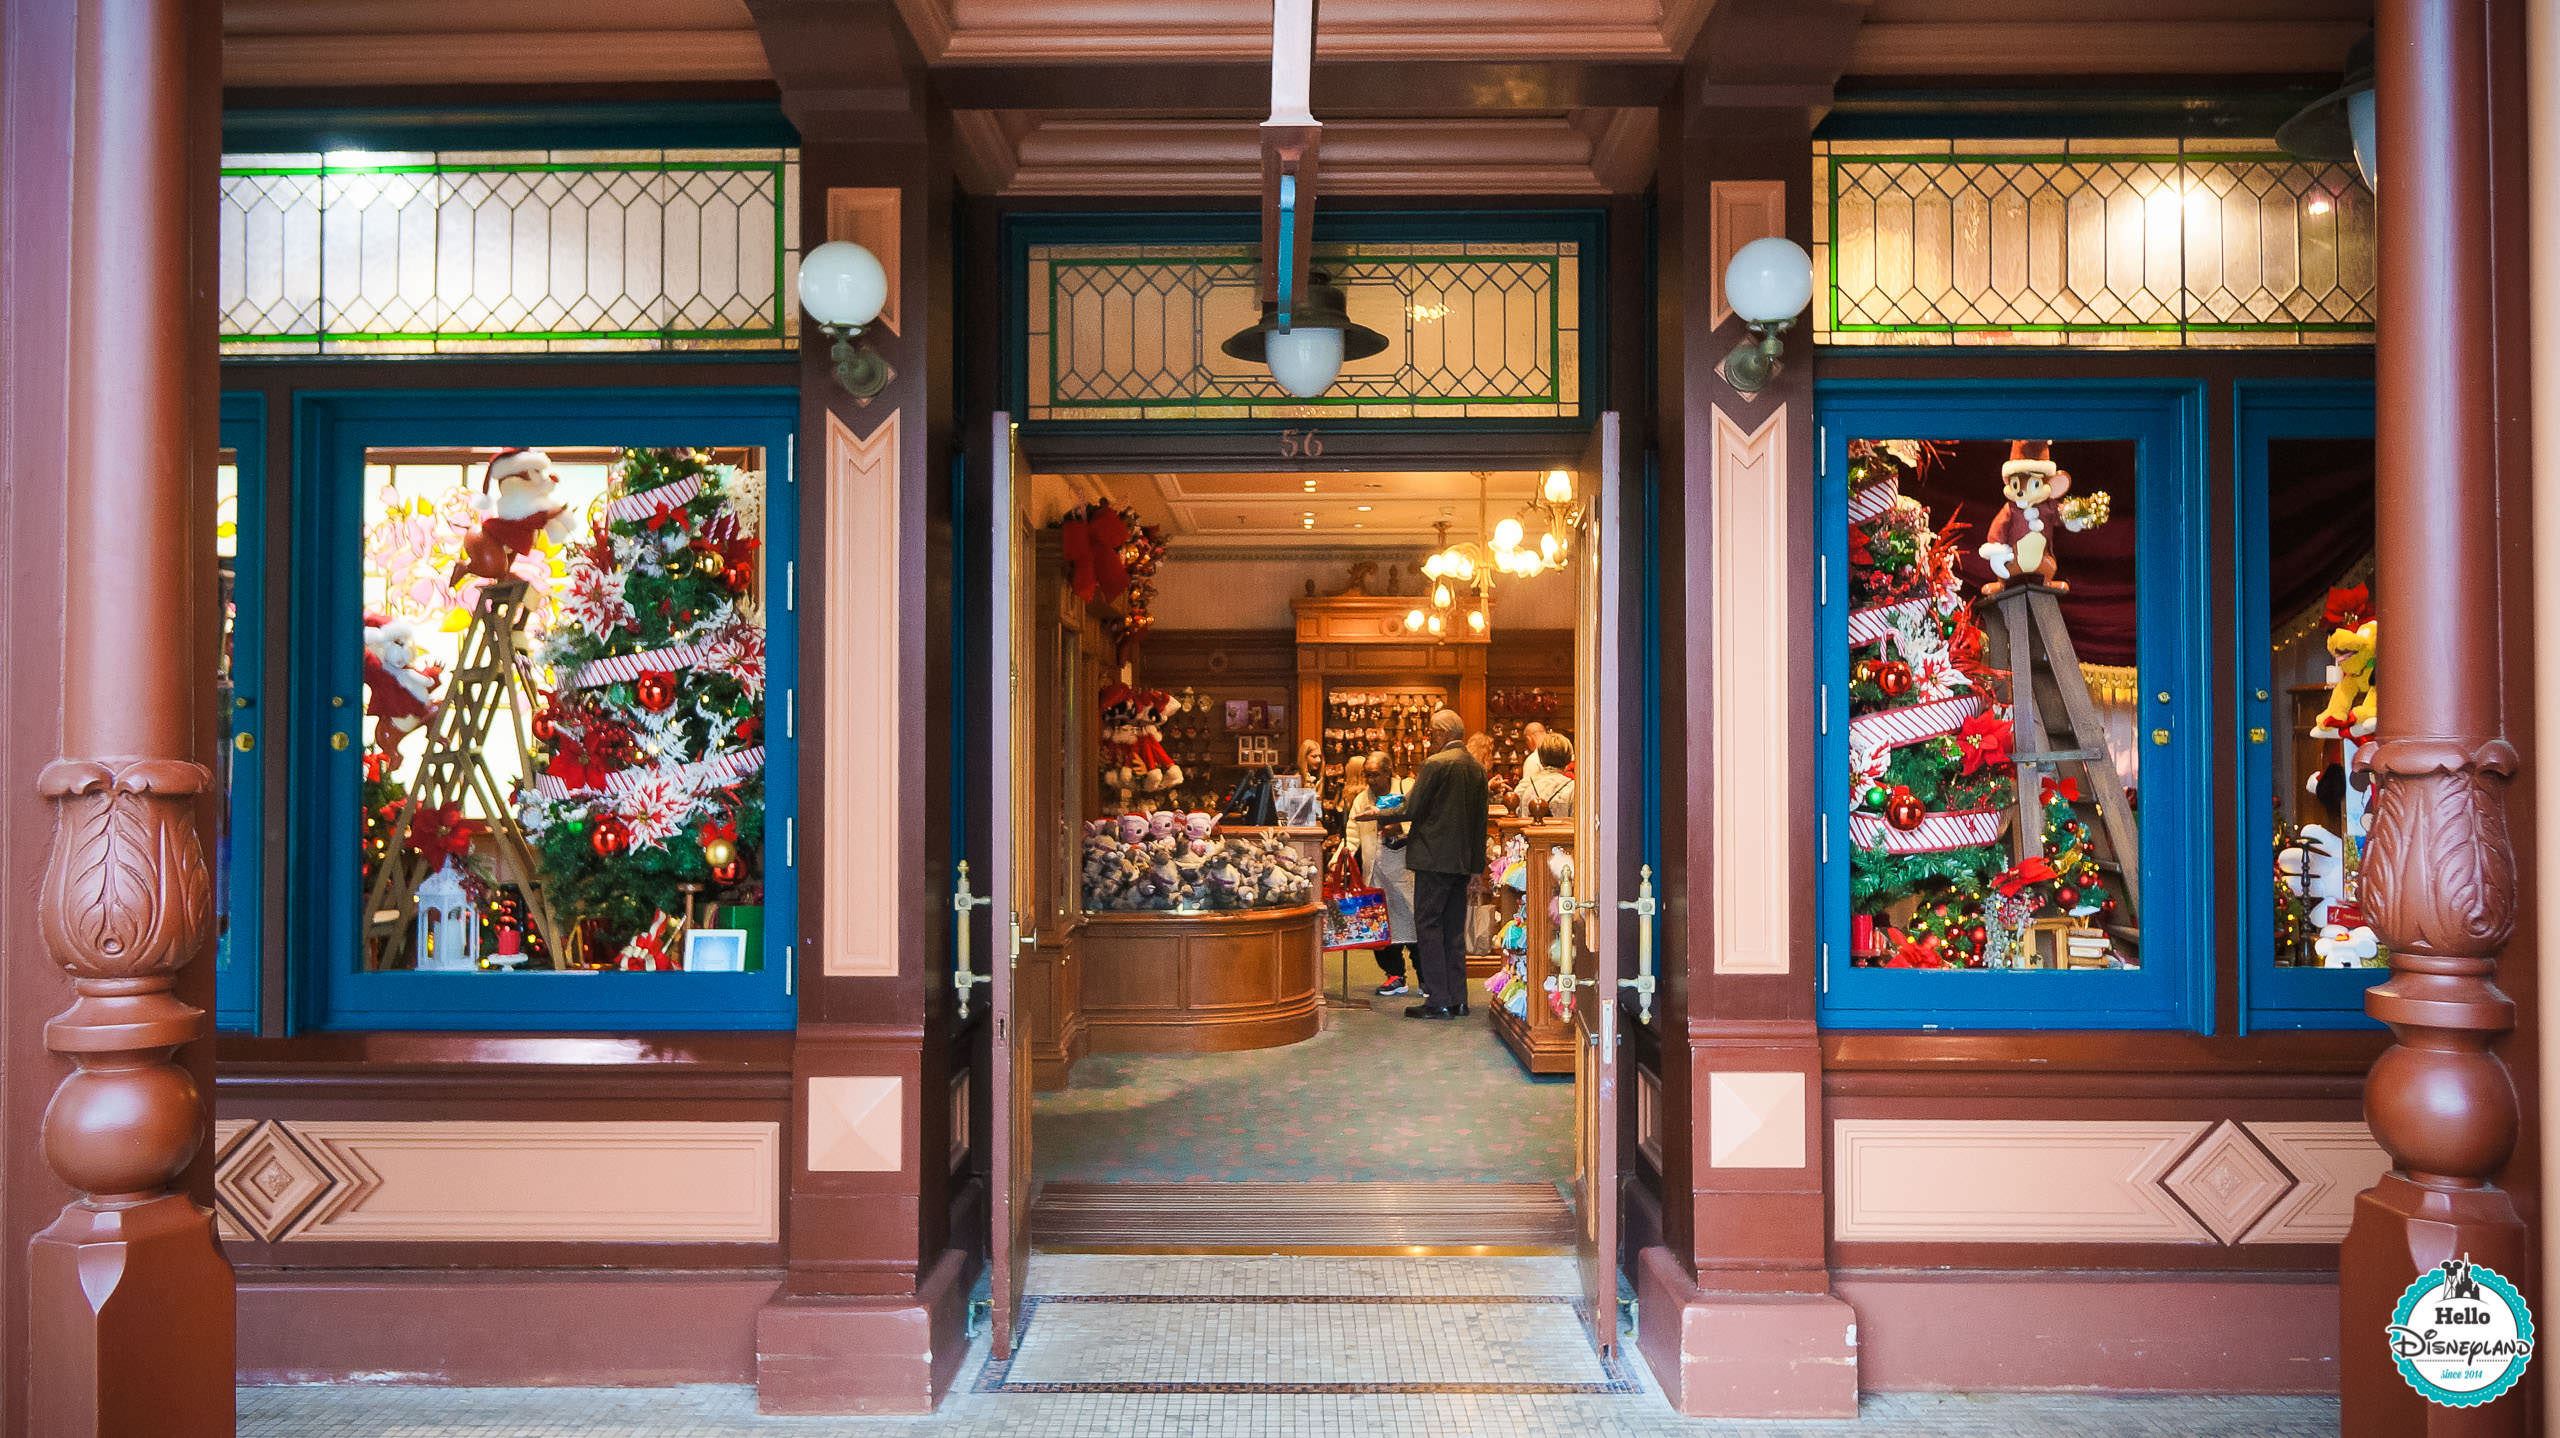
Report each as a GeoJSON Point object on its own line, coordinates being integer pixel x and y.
{"type": "Point", "coordinates": [1305, 353]}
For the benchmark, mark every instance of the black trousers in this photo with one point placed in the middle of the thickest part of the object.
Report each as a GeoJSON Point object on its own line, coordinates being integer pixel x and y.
{"type": "Point", "coordinates": [1440, 924]}
{"type": "Point", "coordinates": [1391, 959]}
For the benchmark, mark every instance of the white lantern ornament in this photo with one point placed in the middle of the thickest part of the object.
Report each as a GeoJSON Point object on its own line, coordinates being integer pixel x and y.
{"type": "Point", "coordinates": [448, 938]}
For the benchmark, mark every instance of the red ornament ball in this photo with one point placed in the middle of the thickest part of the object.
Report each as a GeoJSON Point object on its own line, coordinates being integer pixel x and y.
{"type": "Point", "coordinates": [1976, 934]}
{"type": "Point", "coordinates": [726, 873]}
{"type": "Point", "coordinates": [736, 578]}
{"type": "Point", "coordinates": [2066, 897]}
{"type": "Point", "coordinates": [610, 839]}
{"type": "Point", "coordinates": [545, 727]}
{"type": "Point", "coordinates": [1894, 678]}
{"type": "Point", "coordinates": [1906, 812]}
{"type": "Point", "coordinates": [655, 691]}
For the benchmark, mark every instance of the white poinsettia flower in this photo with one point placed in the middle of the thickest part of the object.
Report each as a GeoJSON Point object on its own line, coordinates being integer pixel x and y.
{"type": "Point", "coordinates": [654, 808]}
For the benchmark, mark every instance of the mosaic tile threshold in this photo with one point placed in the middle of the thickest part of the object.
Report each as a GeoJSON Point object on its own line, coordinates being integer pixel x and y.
{"type": "Point", "coordinates": [1368, 1344]}
{"type": "Point", "coordinates": [730, 1412]}
{"type": "Point", "coordinates": [1299, 1275]}
{"type": "Point", "coordinates": [1316, 1218]}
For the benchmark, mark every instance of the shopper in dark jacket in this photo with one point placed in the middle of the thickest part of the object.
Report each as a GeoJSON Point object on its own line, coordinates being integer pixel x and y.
{"type": "Point", "coordinates": [1445, 819]}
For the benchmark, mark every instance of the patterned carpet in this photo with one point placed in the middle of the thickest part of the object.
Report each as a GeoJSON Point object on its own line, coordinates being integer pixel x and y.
{"type": "Point", "coordinates": [1371, 1098]}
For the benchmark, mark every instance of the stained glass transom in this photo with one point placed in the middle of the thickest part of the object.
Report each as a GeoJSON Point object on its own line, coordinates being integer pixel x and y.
{"type": "Point", "coordinates": [1474, 331]}
{"type": "Point", "coordinates": [2128, 243]}
{"type": "Point", "coordinates": [527, 251]}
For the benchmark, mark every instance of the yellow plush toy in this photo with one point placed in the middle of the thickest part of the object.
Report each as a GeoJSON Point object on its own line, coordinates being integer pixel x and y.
{"type": "Point", "coordinates": [2352, 700]}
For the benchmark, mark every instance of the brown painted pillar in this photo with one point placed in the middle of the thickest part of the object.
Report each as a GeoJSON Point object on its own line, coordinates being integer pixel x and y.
{"type": "Point", "coordinates": [2440, 880]}
{"type": "Point", "coordinates": [130, 1301]}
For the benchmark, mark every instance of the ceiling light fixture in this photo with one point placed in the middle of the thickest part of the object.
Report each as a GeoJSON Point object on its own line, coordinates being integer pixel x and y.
{"type": "Point", "coordinates": [2338, 125]}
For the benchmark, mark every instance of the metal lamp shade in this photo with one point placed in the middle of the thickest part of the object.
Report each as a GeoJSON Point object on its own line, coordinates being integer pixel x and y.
{"type": "Point", "coordinates": [2326, 129]}
{"type": "Point", "coordinates": [1322, 307]}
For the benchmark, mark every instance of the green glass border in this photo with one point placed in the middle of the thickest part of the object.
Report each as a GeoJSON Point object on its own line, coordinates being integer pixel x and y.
{"type": "Point", "coordinates": [773, 329]}
{"type": "Point", "coordinates": [1831, 183]}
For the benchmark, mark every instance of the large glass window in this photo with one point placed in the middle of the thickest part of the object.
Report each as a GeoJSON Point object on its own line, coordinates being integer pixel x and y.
{"type": "Point", "coordinates": [556, 797]}
{"type": "Point", "coordinates": [2309, 676]}
{"type": "Point", "coordinates": [2009, 631]}
{"type": "Point", "coordinates": [240, 686]}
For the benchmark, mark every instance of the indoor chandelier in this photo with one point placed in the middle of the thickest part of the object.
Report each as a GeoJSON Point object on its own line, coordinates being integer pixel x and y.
{"type": "Point", "coordinates": [1461, 594]}
{"type": "Point", "coordinates": [1557, 511]}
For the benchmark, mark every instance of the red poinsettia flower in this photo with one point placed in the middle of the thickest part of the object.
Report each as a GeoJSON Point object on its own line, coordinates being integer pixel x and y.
{"type": "Point", "coordinates": [1861, 545]}
{"type": "Point", "coordinates": [1984, 742]}
{"type": "Point", "coordinates": [2023, 874]}
{"type": "Point", "coordinates": [1911, 953]}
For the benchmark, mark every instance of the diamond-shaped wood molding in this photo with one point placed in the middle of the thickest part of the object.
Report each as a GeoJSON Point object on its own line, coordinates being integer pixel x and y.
{"type": "Point", "coordinates": [2228, 1181]}
{"type": "Point", "coordinates": [265, 1182]}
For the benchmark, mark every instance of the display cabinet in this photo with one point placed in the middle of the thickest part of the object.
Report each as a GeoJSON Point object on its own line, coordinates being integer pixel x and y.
{"type": "Point", "coordinates": [1531, 881]}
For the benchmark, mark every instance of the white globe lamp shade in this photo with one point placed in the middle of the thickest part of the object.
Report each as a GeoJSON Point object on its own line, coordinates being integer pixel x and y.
{"type": "Point", "coordinates": [1769, 280]}
{"type": "Point", "coordinates": [1413, 619]}
{"type": "Point", "coordinates": [1506, 535]}
{"type": "Point", "coordinates": [1304, 360]}
{"type": "Point", "coordinates": [842, 284]}
{"type": "Point", "coordinates": [1559, 486]}
{"type": "Point", "coordinates": [2360, 127]}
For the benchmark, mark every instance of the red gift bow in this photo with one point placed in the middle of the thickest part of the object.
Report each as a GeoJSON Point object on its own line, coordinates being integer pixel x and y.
{"type": "Point", "coordinates": [720, 829]}
{"type": "Point", "coordinates": [1984, 740]}
{"type": "Point", "coordinates": [2066, 789]}
{"type": "Point", "coordinates": [1910, 953]}
{"type": "Point", "coordinates": [443, 833]}
{"type": "Point", "coordinates": [2025, 873]}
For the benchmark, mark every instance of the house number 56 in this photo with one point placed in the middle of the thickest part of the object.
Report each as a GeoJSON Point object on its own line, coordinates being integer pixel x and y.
{"type": "Point", "coordinates": [1300, 444]}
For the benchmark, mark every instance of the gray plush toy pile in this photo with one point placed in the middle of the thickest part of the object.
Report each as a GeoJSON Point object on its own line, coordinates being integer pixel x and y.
{"type": "Point", "coordinates": [1179, 862]}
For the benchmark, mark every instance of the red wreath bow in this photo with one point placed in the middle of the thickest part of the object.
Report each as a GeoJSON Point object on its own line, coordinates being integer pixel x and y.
{"type": "Point", "coordinates": [1984, 742]}
{"type": "Point", "coordinates": [719, 829]}
{"type": "Point", "coordinates": [2064, 788]}
{"type": "Point", "coordinates": [441, 834]}
{"type": "Point", "coordinates": [2025, 874]}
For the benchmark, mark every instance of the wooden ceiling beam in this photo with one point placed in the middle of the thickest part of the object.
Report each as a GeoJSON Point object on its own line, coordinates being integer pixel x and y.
{"type": "Point", "coordinates": [1338, 87]}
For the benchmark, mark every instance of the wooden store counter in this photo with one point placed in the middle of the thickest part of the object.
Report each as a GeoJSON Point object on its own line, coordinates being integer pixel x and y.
{"type": "Point", "coordinates": [1159, 983]}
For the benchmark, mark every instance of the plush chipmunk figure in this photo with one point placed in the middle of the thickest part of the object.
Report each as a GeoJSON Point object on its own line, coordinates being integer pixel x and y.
{"type": "Point", "coordinates": [2019, 543]}
{"type": "Point", "coordinates": [2353, 700]}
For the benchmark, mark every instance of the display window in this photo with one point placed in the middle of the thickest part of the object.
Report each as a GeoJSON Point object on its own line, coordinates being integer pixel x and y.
{"type": "Point", "coordinates": [554, 794]}
{"type": "Point", "coordinates": [239, 677]}
{"type": "Point", "coordinates": [2009, 627]}
{"type": "Point", "coordinates": [2310, 696]}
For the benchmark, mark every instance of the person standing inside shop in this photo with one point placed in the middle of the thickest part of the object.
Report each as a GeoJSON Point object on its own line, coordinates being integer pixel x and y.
{"type": "Point", "coordinates": [1382, 861]}
{"type": "Point", "coordinates": [1533, 736]}
{"type": "Point", "coordinates": [1444, 823]}
{"type": "Point", "coordinates": [1547, 792]}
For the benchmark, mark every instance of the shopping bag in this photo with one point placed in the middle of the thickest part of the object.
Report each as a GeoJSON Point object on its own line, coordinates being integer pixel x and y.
{"type": "Point", "coordinates": [1355, 919]}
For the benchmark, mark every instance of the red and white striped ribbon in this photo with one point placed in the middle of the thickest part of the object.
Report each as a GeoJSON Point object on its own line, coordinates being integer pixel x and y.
{"type": "Point", "coordinates": [719, 769]}
{"type": "Point", "coordinates": [1866, 626]}
{"type": "Point", "coordinates": [623, 668]}
{"type": "Point", "coordinates": [1893, 728]}
{"type": "Point", "coordinates": [666, 496]}
{"type": "Point", "coordinates": [1873, 501]}
{"type": "Point", "coordinates": [1936, 834]}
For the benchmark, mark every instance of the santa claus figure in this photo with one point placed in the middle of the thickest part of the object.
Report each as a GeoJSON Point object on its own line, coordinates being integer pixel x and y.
{"type": "Point", "coordinates": [516, 504]}
{"type": "Point", "coordinates": [398, 689]}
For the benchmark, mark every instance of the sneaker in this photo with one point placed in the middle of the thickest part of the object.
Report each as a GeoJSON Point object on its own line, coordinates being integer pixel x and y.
{"type": "Point", "coordinates": [1393, 987]}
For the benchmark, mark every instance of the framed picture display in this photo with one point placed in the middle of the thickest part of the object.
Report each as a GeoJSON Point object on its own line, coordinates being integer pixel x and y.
{"type": "Point", "coordinates": [715, 951]}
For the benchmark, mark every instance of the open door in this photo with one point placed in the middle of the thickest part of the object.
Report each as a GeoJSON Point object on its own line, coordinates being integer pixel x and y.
{"type": "Point", "coordinates": [1008, 891]}
{"type": "Point", "coordinates": [1599, 879]}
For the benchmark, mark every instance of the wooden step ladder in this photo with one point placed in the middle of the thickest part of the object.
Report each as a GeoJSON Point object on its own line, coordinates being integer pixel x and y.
{"type": "Point", "coordinates": [2045, 680]}
{"type": "Point", "coordinates": [489, 672]}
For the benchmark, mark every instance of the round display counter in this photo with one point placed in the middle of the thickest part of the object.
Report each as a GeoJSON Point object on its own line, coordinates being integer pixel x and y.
{"type": "Point", "coordinates": [1171, 983]}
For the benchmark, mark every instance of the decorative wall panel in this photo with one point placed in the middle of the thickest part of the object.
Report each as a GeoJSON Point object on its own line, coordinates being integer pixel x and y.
{"type": "Point", "coordinates": [2033, 1181]}
{"type": "Point", "coordinates": [540, 251]}
{"type": "Point", "coordinates": [861, 848]}
{"type": "Point", "coordinates": [1489, 330]}
{"type": "Point", "coordinates": [478, 1181]}
{"type": "Point", "coordinates": [1751, 734]}
{"type": "Point", "coordinates": [2016, 1181]}
{"type": "Point", "coordinates": [2091, 242]}
{"type": "Point", "coordinates": [1756, 1119]}
{"type": "Point", "coordinates": [857, 1124]}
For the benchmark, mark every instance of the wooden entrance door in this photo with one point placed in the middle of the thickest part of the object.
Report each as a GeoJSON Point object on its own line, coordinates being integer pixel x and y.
{"type": "Point", "coordinates": [1599, 880]}
{"type": "Point", "coordinates": [1009, 890]}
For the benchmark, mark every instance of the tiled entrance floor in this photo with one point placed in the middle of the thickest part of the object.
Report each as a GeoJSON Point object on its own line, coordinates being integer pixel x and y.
{"type": "Point", "coordinates": [1284, 1347]}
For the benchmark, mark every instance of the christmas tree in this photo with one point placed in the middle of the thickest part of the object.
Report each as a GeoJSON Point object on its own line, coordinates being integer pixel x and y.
{"type": "Point", "coordinates": [650, 791]}
{"type": "Point", "coordinates": [1933, 786]}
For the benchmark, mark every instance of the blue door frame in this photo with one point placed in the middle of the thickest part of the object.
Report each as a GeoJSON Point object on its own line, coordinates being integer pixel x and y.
{"type": "Point", "coordinates": [2166, 423]}
{"type": "Point", "coordinates": [332, 431]}
{"type": "Point", "coordinates": [240, 951]}
{"type": "Point", "coordinates": [2265, 411]}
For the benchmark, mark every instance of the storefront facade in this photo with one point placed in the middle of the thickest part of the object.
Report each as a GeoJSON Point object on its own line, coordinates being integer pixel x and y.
{"type": "Point", "coordinates": [1847, 1153]}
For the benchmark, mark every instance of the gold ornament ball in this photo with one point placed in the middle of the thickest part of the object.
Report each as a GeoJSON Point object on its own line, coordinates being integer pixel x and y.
{"type": "Point", "coordinates": [719, 853]}
{"type": "Point", "coordinates": [710, 564]}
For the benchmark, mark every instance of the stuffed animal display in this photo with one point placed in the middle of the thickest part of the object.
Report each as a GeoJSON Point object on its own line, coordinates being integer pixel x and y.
{"type": "Point", "coordinates": [1167, 861]}
{"type": "Point", "coordinates": [398, 690]}
{"type": "Point", "coordinates": [2019, 544]}
{"type": "Point", "coordinates": [2353, 699]}
{"type": "Point", "coordinates": [1134, 759]}
{"type": "Point", "coordinates": [517, 503]}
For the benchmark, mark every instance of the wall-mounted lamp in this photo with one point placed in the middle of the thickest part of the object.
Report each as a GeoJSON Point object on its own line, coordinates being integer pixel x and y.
{"type": "Point", "coordinates": [1768, 282]}
{"type": "Point", "coordinates": [2338, 125]}
{"type": "Point", "coordinates": [843, 287]}
{"type": "Point", "coordinates": [1306, 350]}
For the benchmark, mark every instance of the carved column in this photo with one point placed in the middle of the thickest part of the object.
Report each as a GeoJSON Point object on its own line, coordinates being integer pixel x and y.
{"type": "Point", "coordinates": [2440, 881]}
{"type": "Point", "coordinates": [130, 1299]}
